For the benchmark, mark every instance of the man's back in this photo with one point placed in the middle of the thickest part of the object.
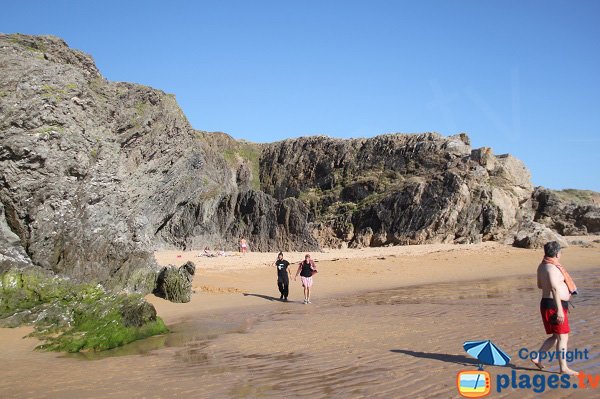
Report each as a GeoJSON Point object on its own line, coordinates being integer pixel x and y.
{"type": "Point", "coordinates": [548, 277]}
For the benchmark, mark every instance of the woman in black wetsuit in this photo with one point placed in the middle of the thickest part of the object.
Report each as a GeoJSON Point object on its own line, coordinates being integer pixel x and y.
{"type": "Point", "coordinates": [306, 269]}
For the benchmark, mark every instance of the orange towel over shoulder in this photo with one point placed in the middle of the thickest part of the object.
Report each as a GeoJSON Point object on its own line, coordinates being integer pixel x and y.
{"type": "Point", "coordinates": [568, 280]}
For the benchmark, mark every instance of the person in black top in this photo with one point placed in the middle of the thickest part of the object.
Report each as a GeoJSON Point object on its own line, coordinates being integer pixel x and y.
{"type": "Point", "coordinates": [283, 273]}
{"type": "Point", "coordinates": [306, 269]}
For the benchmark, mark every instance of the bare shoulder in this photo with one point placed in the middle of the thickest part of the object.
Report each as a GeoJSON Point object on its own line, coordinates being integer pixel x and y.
{"type": "Point", "coordinates": [544, 268]}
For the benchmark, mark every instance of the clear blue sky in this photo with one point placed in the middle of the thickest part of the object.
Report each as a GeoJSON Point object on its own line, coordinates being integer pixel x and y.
{"type": "Point", "coordinates": [519, 76]}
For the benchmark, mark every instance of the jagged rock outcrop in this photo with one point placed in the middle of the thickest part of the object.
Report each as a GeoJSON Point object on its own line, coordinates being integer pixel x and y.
{"type": "Point", "coordinates": [225, 213]}
{"type": "Point", "coordinates": [566, 217]}
{"type": "Point", "coordinates": [69, 182]}
{"type": "Point", "coordinates": [533, 235]}
{"type": "Point", "coordinates": [12, 253]}
{"type": "Point", "coordinates": [94, 175]}
{"type": "Point", "coordinates": [399, 189]}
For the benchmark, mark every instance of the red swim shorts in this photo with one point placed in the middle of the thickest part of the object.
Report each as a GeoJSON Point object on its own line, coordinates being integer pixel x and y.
{"type": "Point", "coordinates": [549, 319]}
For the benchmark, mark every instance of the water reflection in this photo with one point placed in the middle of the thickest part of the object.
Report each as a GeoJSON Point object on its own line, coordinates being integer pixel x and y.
{"type": "Point", "coordinates": [188, 333]}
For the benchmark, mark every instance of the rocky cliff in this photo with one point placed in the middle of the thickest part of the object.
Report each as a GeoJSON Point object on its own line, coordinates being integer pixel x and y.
{"type": "Point", "coordinates": [399, 189]}
{"type": "Point", "coordinates": [95, 175]}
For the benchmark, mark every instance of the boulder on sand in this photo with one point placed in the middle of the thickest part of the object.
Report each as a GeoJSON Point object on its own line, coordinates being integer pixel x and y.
{"type": "Point", "coordinates": [534, 235]}
{"type": "Point", "coordinates": [175, 284]}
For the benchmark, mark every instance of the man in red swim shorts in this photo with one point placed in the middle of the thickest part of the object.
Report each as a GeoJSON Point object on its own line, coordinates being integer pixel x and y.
{"type": "Point", "coordinates": [557, 286]}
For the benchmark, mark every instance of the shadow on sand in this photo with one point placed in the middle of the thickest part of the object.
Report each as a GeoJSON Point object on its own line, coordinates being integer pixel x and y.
{"type": "Point", "coordinates": [458, 359]}
{"type": "Point", "coordinates": [444, 357]}
{"type": "Point", "coordinates": [268, 298]}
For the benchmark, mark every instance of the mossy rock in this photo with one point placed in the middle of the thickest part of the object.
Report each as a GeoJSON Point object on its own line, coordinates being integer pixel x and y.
{"type": "Point", "coordinates": [175, 284]}
{"type": "Point", "coordinates": [74, 317]}
{"type": "Point", "coordinates": [111, 322]}
{"type": "Point", "coordinates": [142, 280]}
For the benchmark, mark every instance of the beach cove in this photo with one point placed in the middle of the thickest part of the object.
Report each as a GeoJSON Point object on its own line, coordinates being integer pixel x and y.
{"type": "Point", "coordinates": [385, 322]}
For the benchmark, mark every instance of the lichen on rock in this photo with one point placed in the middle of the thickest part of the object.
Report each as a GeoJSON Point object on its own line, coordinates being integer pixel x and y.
{"type": "Point", "coordinates": [73, 317]}
{"type": "Point", "coordinates": [175, 284]}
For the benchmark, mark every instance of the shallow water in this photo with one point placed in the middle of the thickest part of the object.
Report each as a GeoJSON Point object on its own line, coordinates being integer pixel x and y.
{"type": "Point", "coordinates": [476, 293]}
{"type": "Point", "coordinates": [354, 346]}
{"type": "Point", "coordinates": [403, 342]}
{"type": "Point", "coordinates": [182, 334]}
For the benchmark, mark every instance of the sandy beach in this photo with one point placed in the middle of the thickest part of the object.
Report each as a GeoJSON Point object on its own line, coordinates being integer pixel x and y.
{"type": "Point", "coordinates": [384, 323]}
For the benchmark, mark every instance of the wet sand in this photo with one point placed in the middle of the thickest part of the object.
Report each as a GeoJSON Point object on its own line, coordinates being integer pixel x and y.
{"type": "Point", "coordinates": [384, 323]}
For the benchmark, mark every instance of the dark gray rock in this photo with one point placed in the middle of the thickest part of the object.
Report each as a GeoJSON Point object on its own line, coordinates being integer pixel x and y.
{"type": "Point", "coordinates": [398, 189]}
{"type": "Point", "coordinates": [175, 284]}
{"type": "Point", "coordinates": [566, 217]}
{"type": "Point", "coordinates": [66, 169]}
{"type": "Point", "coordinates": [12, 253]}
{"type": "Point", "coordinates": [357, 191]}
{"type": "Point", "coordinates": [589, 217]}
{"type": "Point", "coordinates": [138, 313]}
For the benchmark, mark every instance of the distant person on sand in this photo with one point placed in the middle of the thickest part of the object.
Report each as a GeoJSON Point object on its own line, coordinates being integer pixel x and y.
{"type": "Point", "coordinates": [306, 269]}
{"type": "Point", "coordinates": [243, 245]}
{"type": "Point", "coordinates": [207, 252]}
{"type": "Point", "coordinates": [283, 274]}
{"type": "Point", "coordinates": [557, 287]}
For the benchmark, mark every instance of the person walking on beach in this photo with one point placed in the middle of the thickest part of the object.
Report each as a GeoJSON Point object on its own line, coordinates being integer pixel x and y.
{"type": "Point", "coordinates": [243, 246]}
{"type": "Point", "coordinates": [306, 269]}
{"type": "Point", "coordinates": [283, 273]}
{"type": "Point", "coordinates": [557, 287]}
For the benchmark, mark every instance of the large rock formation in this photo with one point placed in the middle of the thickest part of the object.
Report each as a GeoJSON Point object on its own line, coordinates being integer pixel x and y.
{"type": "Point", "coordinates": [566, 215]}
{"type": "Point", "coordinates": [399, 189]}
{"type": "Point", "coordinates": [94, 174]}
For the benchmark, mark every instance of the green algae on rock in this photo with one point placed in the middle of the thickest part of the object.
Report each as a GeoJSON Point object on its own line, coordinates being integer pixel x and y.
{"type": "Point", "coordinates": [175, 284]}
{"type": "Point", "coordinates": [72, 317]}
